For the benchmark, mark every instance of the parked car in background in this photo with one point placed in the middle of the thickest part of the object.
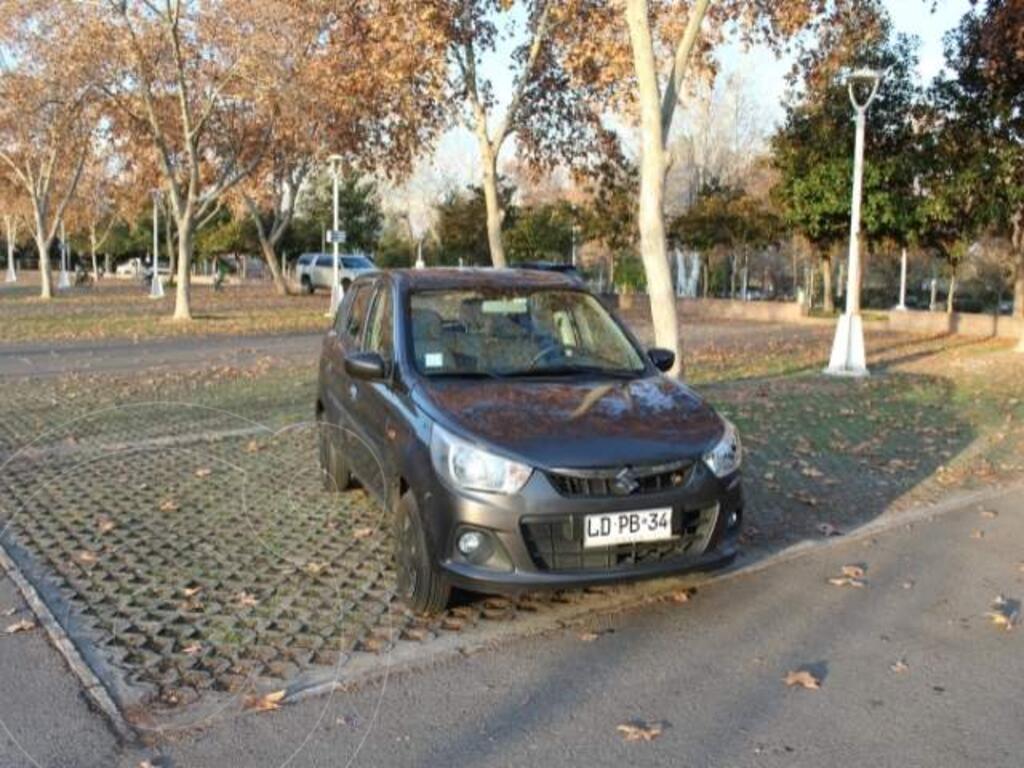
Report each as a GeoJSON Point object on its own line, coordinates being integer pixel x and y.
{"type": "Point", "coordinates": [130, 268]}
{"type": "Point", "coordinates": [518, 436]}
{"type": "Point", "coordinates": [315, 270]}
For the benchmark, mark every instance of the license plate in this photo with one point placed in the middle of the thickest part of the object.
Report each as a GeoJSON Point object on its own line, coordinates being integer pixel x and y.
{"type": "Point", "coordinates": [613, 528]}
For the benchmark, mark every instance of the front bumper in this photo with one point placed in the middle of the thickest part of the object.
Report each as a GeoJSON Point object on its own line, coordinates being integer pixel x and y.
{"type": "Point", "coordinates": [525, 559]}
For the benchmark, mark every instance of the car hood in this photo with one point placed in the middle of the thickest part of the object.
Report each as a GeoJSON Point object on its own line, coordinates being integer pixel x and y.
{"type": "Point", "coordinates": [563, 424]}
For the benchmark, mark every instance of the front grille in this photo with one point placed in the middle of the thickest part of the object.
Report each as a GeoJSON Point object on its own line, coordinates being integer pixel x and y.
{"type": "Point", "coordinates": [598, 483]}
{"type": "Point", "coordinates": [556, 544]}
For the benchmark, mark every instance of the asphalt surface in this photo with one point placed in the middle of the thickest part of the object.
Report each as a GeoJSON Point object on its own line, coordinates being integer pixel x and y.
{"type": "Point", "coordinates": [709, 671]}
{"type": "Point", "coordinates": [125, 355]}
{"type": "Point", "coordinates": [111, 356]}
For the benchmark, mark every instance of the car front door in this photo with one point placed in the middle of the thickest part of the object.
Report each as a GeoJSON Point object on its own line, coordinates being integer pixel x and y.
{"type": "Point", "coordinates": [376, 404]}
{"type": "Point", "coordinates": [344, 337]}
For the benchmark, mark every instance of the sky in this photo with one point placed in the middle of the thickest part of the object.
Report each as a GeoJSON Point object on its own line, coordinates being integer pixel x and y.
{"type": "Point", "coordinates": [455, 161]}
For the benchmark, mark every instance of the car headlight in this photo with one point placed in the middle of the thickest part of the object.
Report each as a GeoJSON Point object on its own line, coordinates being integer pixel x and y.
{"type": "Point", "coordinates": [464, 465]}
{"type": "Point", "coordinates": [727, 455]}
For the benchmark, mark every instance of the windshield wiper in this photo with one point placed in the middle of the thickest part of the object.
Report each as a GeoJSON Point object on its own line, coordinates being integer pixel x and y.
{"type": "Point", "coordinates": [464, 375]}
{"type": "Point", "coordinates": [573, 370]}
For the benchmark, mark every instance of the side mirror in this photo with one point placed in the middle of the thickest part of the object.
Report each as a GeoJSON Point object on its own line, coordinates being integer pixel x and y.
{"type": "Point", "coordinates": [663, 359]}
{"type": "Point", "coordinates": [368, 366]}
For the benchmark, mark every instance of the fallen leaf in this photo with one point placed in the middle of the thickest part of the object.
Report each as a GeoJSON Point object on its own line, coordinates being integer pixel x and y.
{"type": "Point", "coordinates": [20, 626]}
{"type": "Point", "coordinates": [589, 637]}
{"type": "Point", "coordinates": [86, 557]}
{"type": "Point", "coordinates": [362, 533]}
{"type": "Point", "coordinates": [246, 599]}
{"type": "Point", "coordinates": [899, 667]}
{"type": "Point", "coordinates": [105, 525]}
{"type": "Point", "coordinates": [1005, 613]}
{"type": "Point", "coordinates": [169, 505]}
{"type": "Point", "coordinates": [640, 731]}
{"type": "Point", "coordinates": [192, 591]}
{"type": "Point", "coordinates": [989, 514]}
{"type": "Point", "coordinates": [192, 650]}
{"type": "Point", "coordinates": [845, 581]}
{"type": "Point", "coordinates": [908, 584]}
{"type": "Point", "coordinates": [977, 534]}
{"type": "Point", "coordinates": [314, 568]}
{"type": "Point", "coordinates": [803, 679]}
{"type": "Point", "coordinates": [853, 571]}
{"type": "Point", "coordinates": [266, 703]}
{"type": "Point", "coordinates": [204, 472]}
{"type": "Point", "coordinates": [252, 446]}
{"type": "Point", "coordinates": [681, 596]}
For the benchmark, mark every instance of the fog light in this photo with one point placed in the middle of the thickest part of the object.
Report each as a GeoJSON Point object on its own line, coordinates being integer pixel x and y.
{"type": "Point", "coordinates": [732, 519]}
{"type": "Point", "coordinates": [470, 543]}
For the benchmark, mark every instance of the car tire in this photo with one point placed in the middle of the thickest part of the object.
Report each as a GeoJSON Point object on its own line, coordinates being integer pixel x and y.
{"type": "Point", "coordinates": [420, 583]}
{"type": "Point", "coordinates": [345, 284]}
{"type": "Point", "coordinates": [307, 284]}
{"type": "Point", "coordinates": [337, 476]}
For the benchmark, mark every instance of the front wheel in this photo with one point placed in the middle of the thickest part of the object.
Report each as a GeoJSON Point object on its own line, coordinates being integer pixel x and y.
{"type": "Point", "coordinates": [307, 284]}
{"type": "Point", "coordinates": [421, 584]}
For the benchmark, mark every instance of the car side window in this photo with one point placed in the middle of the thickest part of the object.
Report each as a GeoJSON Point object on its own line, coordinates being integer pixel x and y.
{"type": "Point", "coordinates": [326, 260]}
{"type": "Point", "coordinates": [351, 323]}
{"type": "Point", "coordinates": [380, 335]}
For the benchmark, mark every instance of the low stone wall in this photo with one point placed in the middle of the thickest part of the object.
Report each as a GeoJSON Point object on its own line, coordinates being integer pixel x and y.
{"type": "Point", "coordinates": [726, 309]}
{"type": "Point", "coordinates": [916, 321]}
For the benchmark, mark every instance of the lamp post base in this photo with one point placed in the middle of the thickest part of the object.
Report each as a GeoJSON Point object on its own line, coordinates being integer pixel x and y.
{"type": "Point", "coordinates": [848, 357]}
{"type": "Point", "coordinates": [12, 276]}
{"type": "Point", "coordinates": [156, 288]}
{"type": "Point", "coordinates": [63, 281]}
{"type": "Point", "coordinates": [900, 308]}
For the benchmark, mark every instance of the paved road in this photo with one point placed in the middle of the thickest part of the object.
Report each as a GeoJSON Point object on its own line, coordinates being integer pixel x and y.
{"type": "Point", "coordinates": [125, 355]}
{"type": "Point", "coordinates": [710, 670]}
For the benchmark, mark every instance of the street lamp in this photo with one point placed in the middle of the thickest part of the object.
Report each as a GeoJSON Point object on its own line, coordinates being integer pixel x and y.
{"type": "Point", "coordinates": [337, 237]}
{"type": "Point", "coordinates": [156, 286]}
{"type": "Point", "coordinates": [848, 357]}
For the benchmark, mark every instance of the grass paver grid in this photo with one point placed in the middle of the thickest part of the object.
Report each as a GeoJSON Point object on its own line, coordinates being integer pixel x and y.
{"type": "Point", "coordinates": [198, 567]}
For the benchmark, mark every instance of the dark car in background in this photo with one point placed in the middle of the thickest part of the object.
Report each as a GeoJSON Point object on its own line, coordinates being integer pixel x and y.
{"type": "Point", "coordinates": [519, 436]}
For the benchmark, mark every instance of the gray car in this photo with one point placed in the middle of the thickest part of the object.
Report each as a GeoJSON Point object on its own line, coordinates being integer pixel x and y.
{"type": "Point", "coordinates": [315, 270]}
{"type": "Point", "coordinates": [519, 437]}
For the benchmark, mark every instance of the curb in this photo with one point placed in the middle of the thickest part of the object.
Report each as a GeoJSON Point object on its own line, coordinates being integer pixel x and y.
{"type": "Point", "coordinates": [94, 689]}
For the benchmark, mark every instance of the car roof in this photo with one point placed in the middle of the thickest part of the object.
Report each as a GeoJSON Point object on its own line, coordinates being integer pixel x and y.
{"type": "Point", "coordinates": [478, 277]}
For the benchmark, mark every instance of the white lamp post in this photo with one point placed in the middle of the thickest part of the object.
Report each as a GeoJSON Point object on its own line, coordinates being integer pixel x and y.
{"type": "Point", "coordinates": [156, 286]}
{"type": "Point", "coordinates": [419, 254]}
{"type": "Point", "coordinates": [336, 238]}
{"type": "Point", "coordinates": [12, 275]}
{"type": "Point", "coordinates": [902, 306]}
{"type": "Point", "coordinates": [848, 358]}
{"type": "Point", "coordinates": [63, 281]}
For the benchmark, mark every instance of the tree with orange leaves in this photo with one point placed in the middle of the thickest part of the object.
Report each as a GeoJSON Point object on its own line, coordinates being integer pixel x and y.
{"type": "Point", "coordinates": [48, 114]}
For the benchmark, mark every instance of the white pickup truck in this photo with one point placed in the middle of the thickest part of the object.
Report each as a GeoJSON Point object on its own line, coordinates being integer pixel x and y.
{"type": "Point", "coordinates": [314, 270]}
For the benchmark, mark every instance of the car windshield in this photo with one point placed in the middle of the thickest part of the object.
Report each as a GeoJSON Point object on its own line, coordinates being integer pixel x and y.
{"type": "Point", "coordinates": [541, 332]}
{"type": "Point", "coordinates": [356, 262]}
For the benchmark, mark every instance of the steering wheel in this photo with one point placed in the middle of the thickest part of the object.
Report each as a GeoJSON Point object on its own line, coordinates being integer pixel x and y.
{"type": "Point", "coordinates": [547, 351]}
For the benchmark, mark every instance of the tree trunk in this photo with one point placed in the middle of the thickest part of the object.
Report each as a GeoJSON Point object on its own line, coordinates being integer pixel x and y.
{"type": "Point", "coordinates": [732, 275]}
{"type": "Point", "coordinates": [92, 252]}
{"type": "Point", "coordinates": [494, 212]}
{"type": "Point", "coordinates": [106, 263]}
{"type": "Point", "coordinates": [826, 279]}
{"type": "Point", "coordinates": [270, 256]}
{"type": "Point", "coordinates": [652, 185]}
{"type": "Point", "coordinates": [45, 278]}
{"type": "Point", "coordinates": [183, 292]}
{"type": "Point", "coordinates": [1017, 245]}
{"type": "Point", "coordinates": [952, 294]}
